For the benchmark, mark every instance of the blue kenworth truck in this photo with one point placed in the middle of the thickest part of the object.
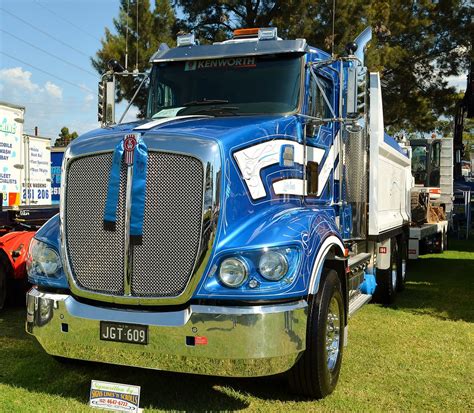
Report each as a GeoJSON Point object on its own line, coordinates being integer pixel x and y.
{"type": "Point", "coordinates": [237, 228]}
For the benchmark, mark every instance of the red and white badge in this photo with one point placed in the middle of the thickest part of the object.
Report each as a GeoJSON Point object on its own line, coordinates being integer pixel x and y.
{"type": "Point", "coordinates": [129, 144]}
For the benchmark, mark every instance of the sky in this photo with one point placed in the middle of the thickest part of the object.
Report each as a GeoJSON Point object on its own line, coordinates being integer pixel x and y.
{"type": "Point", "coordinates": [45, 51]}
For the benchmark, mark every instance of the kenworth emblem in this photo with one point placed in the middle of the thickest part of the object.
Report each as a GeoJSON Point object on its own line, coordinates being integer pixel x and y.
{"type": "Point", "coordinates": [129, 143]}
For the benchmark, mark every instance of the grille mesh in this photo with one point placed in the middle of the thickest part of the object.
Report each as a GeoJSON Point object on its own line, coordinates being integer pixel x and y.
{"type": "Point", "coordinates": [96, 256]}
{"type": "Point", "coordinates": [164, 262]}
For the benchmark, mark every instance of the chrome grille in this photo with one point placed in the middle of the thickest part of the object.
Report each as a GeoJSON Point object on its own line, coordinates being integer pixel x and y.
{"type": "Point", "coordinates": [96, 256]}
{"type": "Point", "coordinates": [164, 262]}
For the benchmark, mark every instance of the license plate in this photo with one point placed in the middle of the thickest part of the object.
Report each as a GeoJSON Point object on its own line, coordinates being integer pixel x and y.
{"type": "Point", "coordinates": [123, 333]}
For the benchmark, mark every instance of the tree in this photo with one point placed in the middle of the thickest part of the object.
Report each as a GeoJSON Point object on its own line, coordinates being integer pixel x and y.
{"type": "Point", "coordinates": [65, 137]}
{"type": "Point", "coordinates": [416, 45]}
{"type": "Point", "coordinates": [215, 20]}
{"type": "Point", "coordinates": [468, 138]}
{"type": "Point", "coordinates": [154, 27]}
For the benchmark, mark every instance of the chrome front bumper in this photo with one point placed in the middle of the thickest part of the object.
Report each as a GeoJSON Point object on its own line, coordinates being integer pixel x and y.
{"type": "Point", "coordinates": [241, 341]}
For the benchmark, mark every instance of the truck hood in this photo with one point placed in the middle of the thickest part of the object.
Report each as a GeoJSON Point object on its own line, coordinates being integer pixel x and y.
{"type": "Point", "coordinates": [227, 130]}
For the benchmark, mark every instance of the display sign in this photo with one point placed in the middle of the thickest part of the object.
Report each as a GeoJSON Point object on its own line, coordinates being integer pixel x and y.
{"type": "Point", "coordinates": [10, 154]}
{"type": "Point", "coordinates": [114, 396]}
{"type": "Point", "coordinates": [36, 186]}
{"type": "Point", "coordinates": [56, 162]}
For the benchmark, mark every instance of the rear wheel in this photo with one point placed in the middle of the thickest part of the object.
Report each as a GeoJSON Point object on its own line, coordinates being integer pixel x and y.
{"type": "Point", "coordinates": [387, 280]}
{"type": "Point", "coordinates": [317, 371]}
{"type": "Point", "coordinates": [3, 285]}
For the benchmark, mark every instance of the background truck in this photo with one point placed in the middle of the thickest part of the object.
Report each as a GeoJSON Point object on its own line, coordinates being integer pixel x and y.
{"type": "Point", "coordinates": [432, 195]}
{"type": "Point", "coordinates": [25, 173]}
{"type": "Point", "coordinates": [25, 193]}
{"type": "Point", "coordinates": [236, 229]}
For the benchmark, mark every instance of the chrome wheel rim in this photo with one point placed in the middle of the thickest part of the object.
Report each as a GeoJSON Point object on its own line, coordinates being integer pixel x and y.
{"type": "Point", "coordinates": [394, 259]}
{"type": "Point", "coordinates": [333, 333]}
{"type": "Point", "coordinates": [404, 269]}
{"type": "Point", "coordinates": [394, 275]}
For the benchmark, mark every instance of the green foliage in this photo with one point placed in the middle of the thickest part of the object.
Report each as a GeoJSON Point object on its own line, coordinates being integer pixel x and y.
{"type": "Point", "coordinates": [65, 137]}
{"type": "Point", "coordinates": [416, 45]}
{"type": "Point", "coordinates": [154, 27]}
{"type": "Point", "coordinates": [468, 138]}
{"type": "Point", "coordinates": [215, 20]}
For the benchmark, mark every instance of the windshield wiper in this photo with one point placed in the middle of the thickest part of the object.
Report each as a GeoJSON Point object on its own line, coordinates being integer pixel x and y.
{"type": "Point", "coordinates": [205, 102]}
{"type": "Point", "coordinates": [224, 110]}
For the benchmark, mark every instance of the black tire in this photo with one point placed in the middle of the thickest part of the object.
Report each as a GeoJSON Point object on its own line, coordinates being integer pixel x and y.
{"type": "Point", "coordinates": [440, 249]}
{"type": "Point", "coordinates": [3, 285]}
{"type": "Point", "coordinates": [402, 264]}
{"type": "Point", "coordinates": [387, 280]}
{"type": "Point", "coordinates": [316, 373]}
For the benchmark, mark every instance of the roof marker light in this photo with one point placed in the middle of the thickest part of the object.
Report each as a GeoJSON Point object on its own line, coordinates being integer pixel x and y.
{"type": "Point", "coordinates": [185, 40]}
{"type": "Point", "coordinates": [249, 32]}
{"type": "Point", "coordinates": [267, 33]}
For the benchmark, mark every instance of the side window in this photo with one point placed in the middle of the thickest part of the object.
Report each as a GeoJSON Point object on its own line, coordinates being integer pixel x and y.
{"type": "Point", "coordinates": [165, 95]}
{"type": "Point", "coordinates": [317, 104]}
{"type": "Point", "coordinates": [436, 154]}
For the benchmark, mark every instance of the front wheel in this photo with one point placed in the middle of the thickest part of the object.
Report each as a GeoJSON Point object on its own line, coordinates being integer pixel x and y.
{"type": "Point", "coordinates": [317, 371]}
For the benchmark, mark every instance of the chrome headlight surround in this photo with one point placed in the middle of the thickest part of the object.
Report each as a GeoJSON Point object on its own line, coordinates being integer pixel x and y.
{"type": "Point", "coordinates": [42, 261]}
{"type": "Point", "coordinates": [251, 281]}
{"type": "Point", "coordinates": [273, 265]}
{"type": "Point", "coordinates": [233, 272]}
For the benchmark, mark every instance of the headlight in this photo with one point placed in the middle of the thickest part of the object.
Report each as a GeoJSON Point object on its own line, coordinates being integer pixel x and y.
{"type": "Point", "coordinates": [42, 260]}
{"type": "Point", "coordinates": [233, 272]}
{"type": "Point", "coordinates": [273, 265]}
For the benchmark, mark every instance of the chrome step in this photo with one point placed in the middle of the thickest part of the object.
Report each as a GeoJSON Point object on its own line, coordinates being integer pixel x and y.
{"type": "Point", "coordinates": [358, 302]}
{"type": "Point", "coordinates": [360, 260]}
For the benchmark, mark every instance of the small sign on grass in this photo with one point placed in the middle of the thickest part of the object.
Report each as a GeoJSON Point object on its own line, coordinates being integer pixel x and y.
{"type": "Point", "coordinates": [115, 396]}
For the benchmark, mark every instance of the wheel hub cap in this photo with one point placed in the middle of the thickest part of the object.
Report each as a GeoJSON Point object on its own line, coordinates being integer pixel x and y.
{"type": "Point", "coordinates": [333, 333]}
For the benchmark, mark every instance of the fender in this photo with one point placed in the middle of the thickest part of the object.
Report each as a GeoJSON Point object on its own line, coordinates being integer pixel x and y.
{"type": "Point", "coordinates": [313, 230]}
{"type": "Point", "coordinates": [328, 243]}
{"type": "Point", "coordinates": [14, 247]}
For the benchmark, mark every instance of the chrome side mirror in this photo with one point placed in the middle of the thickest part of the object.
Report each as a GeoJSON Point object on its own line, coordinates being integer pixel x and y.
{"type": "Point", "coordinates": [356, 91]}
{"type": "Point", "coordinates": [106, 102]}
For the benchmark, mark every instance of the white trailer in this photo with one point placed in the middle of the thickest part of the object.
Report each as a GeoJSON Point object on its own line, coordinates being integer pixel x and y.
{"type": "Point", "coordinates": [36, 177]}
{"type": "Point", "coordinates": [25, 173]}
{"type": "Point", "coordinates": [11, 148]}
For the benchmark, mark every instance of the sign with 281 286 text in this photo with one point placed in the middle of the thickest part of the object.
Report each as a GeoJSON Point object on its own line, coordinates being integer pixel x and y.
{"type": "Point", "coordinates": [114, 396]}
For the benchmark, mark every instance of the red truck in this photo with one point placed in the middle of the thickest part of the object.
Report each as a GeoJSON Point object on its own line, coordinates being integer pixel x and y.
{"type": "Point", "coordinates": [17, 228]}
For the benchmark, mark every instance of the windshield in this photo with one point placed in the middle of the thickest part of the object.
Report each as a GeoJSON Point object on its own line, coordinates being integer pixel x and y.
{"type": "Point", "coordinates": [226, 86]}
{"type": "Point", "coordinates": [418, 164]}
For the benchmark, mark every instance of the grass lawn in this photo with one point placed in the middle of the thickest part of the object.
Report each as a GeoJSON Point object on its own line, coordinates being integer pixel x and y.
{"type": "Point", "coordinates": [415, 355]}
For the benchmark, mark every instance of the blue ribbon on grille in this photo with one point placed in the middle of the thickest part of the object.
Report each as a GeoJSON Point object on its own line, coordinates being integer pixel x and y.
{"type": "Point", "coordinates": [138, 191]}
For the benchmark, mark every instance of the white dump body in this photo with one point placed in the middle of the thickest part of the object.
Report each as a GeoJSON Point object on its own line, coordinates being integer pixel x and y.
{"type": "Point", "coordinates": [390, 179]}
